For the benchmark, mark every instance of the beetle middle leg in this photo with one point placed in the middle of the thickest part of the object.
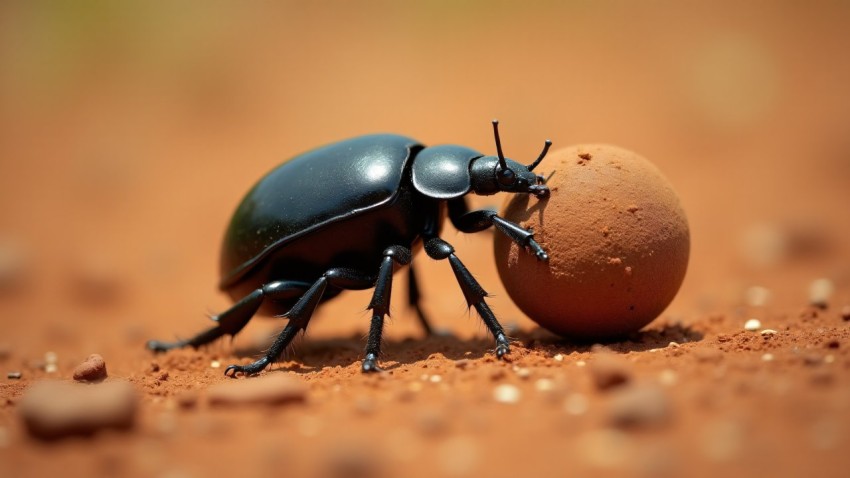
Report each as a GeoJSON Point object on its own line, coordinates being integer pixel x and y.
{"type": "Point", "coordinates": [380, 303]}
{"type": "Point", "coordinates": [300, 313]}
{"type": "Point", "coordinates": [437, 248]}
{"type": "Point", "coordinates": [235, 318]}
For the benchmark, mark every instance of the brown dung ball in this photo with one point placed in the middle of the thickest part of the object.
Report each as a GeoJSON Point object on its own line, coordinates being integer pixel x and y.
{"type": "Point", "coordinates": [617, 239]}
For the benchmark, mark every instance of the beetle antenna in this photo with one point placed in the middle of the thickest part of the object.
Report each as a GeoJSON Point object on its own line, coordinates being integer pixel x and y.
{"type": "Point", "coordinates": [502, 162]}
{"type": "Point", "coordinates": [542, 155]}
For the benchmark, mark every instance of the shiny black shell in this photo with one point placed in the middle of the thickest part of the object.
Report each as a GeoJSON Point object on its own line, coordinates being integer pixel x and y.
{"type": "Point", "coordinates": [339, 205]}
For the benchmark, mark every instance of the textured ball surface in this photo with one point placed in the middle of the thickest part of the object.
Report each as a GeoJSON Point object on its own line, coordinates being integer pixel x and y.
{"type": "Point", "coordinates": [617, 239]}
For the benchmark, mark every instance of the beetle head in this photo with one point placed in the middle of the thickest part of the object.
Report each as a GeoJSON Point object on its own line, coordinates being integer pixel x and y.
{"type": "Point", "coordinates": [492, 174]}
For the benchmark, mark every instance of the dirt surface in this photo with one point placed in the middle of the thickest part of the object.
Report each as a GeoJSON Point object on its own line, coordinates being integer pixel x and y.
{"type": "Point", "coordinates": [129, 135]}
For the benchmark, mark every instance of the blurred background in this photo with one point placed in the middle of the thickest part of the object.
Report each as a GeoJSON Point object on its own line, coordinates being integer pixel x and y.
{"type": "Point", "coordinates": [129, 131]}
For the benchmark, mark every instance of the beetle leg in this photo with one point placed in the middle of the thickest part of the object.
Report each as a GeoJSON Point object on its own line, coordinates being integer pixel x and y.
{"type": "Point", "coordinates": [300, 314]}
{"type": "Point", "coordinates": [439, 249]}
{"type": "Point", "coordinates": [232, 320]}
{"type": "Point", "coordinates": [380, 303]}
{"type": "Point", "coordinates": [474, 221]}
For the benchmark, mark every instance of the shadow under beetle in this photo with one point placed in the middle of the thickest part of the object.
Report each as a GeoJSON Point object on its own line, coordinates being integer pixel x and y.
{"type": "Point", "coordinates": [342, 216]}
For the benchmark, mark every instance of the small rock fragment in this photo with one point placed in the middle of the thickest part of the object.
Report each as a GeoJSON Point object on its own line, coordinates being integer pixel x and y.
{"type": "Point", "coordinates": [558, 357]}
{"type": "Point", "coordinates": [752, 325]}
{"type": "Point", "coordinates": [768, 357]}
{"type": "Point", "coordinates": [53, 409]}
{"type": "Point", "coordinates": [767, 332]}
{"type": "Point", "coordinates": [639, 405]}
{"type": "Point", "coordinates": [270, 389]}
{"type": "Point", "coordinates": [507, 393]}
{"type": "Point", "coordinates": [14, 375]}
{"type": "Point", "coordinates": [609, 370]}
{"type": "Point", "coordinates": [93, 369]}
{"type": "Point", "coordinates": [820, 291]}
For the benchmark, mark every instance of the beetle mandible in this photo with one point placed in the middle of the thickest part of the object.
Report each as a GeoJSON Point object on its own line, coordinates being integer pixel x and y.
{"type": "Point", "coordinates": [342, 217]}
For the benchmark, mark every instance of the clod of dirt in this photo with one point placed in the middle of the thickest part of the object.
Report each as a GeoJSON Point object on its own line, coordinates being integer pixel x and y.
{"type": "Point", "coordinates": [93, 369]}
{"type": "Point", "coordinates": [845, 313]}
{"type": "Point", "coordinates": [639, 405]}
{"type": "Point", "coordinates": [617, 239]}
{"type": "Point", "coordinates": [52, 409]}
{"type": "Point", "coordinates": [271, 389]}
{"type": "Point", "coordinates": [5, 351]}
{"type": "Point", "coordinates": [608, 371]}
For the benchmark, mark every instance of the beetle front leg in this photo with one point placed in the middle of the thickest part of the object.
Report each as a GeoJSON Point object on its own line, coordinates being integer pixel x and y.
{"type": "Point", "coordinates": [474, 221]}
{"type": "Point", "coordinates": [439, 249]}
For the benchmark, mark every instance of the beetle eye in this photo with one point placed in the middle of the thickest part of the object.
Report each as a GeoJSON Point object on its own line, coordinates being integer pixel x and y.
{"type": "Point", "coordinates": [506, 177]}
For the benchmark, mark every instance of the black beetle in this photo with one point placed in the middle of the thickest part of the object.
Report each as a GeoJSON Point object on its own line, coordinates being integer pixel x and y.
{"type": "Point", "coordinates": [341, 216]}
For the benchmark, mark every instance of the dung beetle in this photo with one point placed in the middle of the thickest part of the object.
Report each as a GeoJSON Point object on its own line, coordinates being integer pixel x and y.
{"type": "Point", "coordinates": [342, 217]}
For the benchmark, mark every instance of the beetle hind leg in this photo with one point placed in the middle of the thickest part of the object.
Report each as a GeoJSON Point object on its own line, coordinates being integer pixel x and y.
{"type": "Point", "coordinates": [234, 319]}
{"type": "Point", "coordinates": [300, 314]}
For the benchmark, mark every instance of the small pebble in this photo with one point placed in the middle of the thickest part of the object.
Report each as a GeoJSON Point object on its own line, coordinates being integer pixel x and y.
{"type": "Point", "coordinates": [50, 368]}
{"type": "Point", "coordinates": [270, 389]}
{"type": "Point", "coordinates": [609, 371]}
{"type": "Point", "coordinates": [752, 325]}
{"type": "Point", "coordinates": [640, 405]}
{"type": "Point", "coordinates": [436, 379]}
{"type": "Point", "coordinates": [215, 364]}
{"type": "Point", "coordinates": [93, 369]}
{"type": "Point", "coordinates": [507, 393]}
{"type": "Point", "coordinates": [768, 357]}
{"type": "Point", "coordinates": [768, 332]}
{"type": "Point", "coordinates": [14, 375]}
{"type": "Point", "coordinates": [820, 291]}
{"type": "Point", "coordinates": [559, 357]}
{"type": "Point", "coordinates": [580, 363]}
{"type": "Point", "coordinates": [522, 372]}
{"type": "Point", "coordinates": [52, 409]}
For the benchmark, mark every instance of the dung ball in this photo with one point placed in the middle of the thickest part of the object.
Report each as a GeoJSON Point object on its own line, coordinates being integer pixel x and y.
{"type": "Point", "coordinates": [617, 239]}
